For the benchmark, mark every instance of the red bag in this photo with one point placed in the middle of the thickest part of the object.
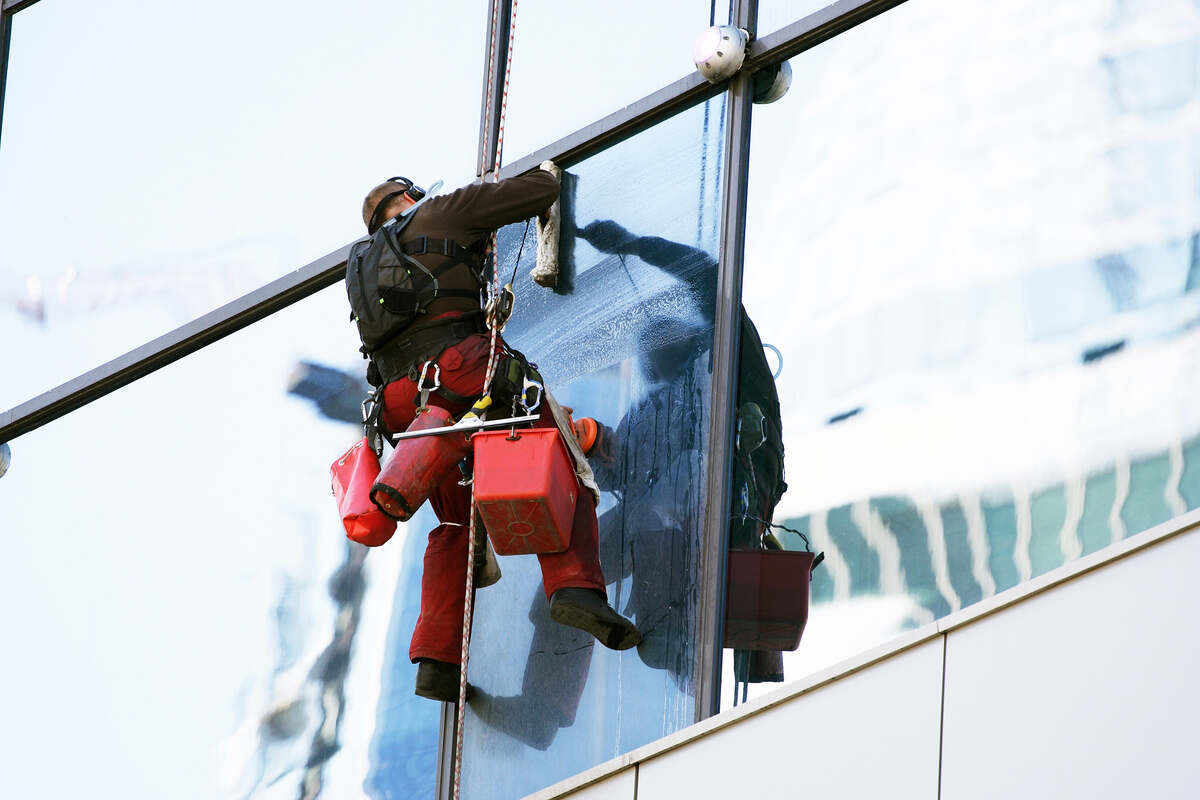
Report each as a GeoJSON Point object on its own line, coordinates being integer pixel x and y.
{"type": "Point", "coordinates": [353, 475]}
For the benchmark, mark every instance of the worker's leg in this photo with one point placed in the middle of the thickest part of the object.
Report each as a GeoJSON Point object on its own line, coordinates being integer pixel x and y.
{"type": "Point", "coordinates": [438, 632]}
{"type": "Point", "coordinates": [574, 582]}
{"type": "Point", "coordinates": [579, 565]}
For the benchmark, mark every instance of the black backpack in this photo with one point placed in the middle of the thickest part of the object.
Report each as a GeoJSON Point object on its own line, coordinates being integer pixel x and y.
{"type": "Point", "coordinates": [389, 289]}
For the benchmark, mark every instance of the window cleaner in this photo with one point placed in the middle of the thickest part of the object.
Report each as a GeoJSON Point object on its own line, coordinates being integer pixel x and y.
{"type": "Point", "coordinates": [415, 288]}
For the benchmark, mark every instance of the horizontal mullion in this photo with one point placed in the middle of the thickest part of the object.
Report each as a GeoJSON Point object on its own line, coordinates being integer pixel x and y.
{"type": "Point", "coordinates": [619, 125]}
{"type": "Point", "coordinates": [13, 6]}
{"type": "Point", "coordinates": [170, 347]}
{"type": "Point", "coordinates": [683, 93]}
{"type": "Point", "coordinates": [817, 27]}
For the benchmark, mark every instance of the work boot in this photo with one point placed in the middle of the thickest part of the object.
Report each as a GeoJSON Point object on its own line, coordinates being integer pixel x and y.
{"type": "Point", "coordinates": [438, 680]}
{"type": "Point", "coordinates": [585, 609]}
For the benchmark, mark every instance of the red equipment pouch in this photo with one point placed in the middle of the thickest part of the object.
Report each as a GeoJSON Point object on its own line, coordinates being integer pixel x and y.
{"type": "Point", "coordinates": [352, 476]}
{"type": "Point", "coordinates": [418, 465]}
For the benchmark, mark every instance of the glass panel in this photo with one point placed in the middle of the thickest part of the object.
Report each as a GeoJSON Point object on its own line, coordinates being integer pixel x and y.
{"type": "Point", "coordinates": [190, 620]}
{"type": "Point", "coordinates": [776, 14]}
{"type": "Point", "coordinates": [175, 157]}
{"type": "Point", "coordinates": [576, 62]}
{"type": "Point", "coordinates": [624, 340]}
{"type": "Point", "coordinates": [983, 282]}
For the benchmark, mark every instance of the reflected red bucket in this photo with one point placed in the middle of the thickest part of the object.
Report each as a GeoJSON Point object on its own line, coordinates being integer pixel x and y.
{"type": "Point", "coordinates": [766, 600]}
{"type": "Point", "coordinates": [525, 490]}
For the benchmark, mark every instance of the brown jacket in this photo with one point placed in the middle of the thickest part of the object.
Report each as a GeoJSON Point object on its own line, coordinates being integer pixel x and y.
{"type": "Point", "coordinates": [468, 216]}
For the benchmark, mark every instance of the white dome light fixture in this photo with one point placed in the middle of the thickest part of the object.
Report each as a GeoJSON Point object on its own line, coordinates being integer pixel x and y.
{"type": "Point", "coordinates": [720, 52]}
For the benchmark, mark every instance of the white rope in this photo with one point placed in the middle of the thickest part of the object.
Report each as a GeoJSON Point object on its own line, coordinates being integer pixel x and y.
{"type": "Point", "coordinates": [494, 294]}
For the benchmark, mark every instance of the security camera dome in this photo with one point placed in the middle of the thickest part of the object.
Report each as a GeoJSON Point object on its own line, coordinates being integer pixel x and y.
{"type": "Point", "coordinates": [5, 458]}
{"type": "Point", "coordinates": [720, 52]}
{"type": "Point", "coordinates": [772, 83]}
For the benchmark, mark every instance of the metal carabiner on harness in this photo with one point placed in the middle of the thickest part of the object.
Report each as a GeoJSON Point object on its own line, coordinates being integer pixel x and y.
{"type": "Point", "coordinates": [372, 409]}
{"type": "Point", "coordinates": [531, 386]}
{"type": "Point", "coordinates": [500, 308]}
{"type": "Point", "coordinates": [423, 390]}
{"type": "Point", "coordinates": [368, 405]}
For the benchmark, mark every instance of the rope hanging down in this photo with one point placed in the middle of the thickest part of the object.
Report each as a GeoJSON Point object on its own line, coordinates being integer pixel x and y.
{"type": "Point", "coordinates": [493, 298]}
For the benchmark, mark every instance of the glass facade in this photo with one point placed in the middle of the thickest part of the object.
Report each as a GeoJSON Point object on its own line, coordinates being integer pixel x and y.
{"type": "Point", "coordinates": [625, 339]}
{"type": "Point", "coordinates": [982, 281]}
{"type": "Point", "coordinates": [148, 176]}
{"type": "Point", "coordinates": [577, 62]}
{"type": "Point", "coordinates": [776, 14]}
{"type": "Point", "coordinates": [188, 619]}
{"type": "Point", "coordinates": [972, 263]}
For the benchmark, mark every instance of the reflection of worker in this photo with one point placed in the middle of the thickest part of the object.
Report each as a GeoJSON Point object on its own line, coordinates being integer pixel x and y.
{"type": "Point", "coordinates": [650, 505]}
{"type": "Point", "coordinates": [447, 235]}
{"type": "Point", "coordinates": [652, 531]}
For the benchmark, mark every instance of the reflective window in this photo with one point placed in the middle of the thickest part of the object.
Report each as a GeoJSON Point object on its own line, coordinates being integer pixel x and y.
{"type": "Point", "coordinates": [776, 14]}
{"type": "Point", "coordinates": [188, 617]}
{"type": "Point", "coordinates": [574, 63]}
{"type": "Point", "coordinates": [625, 340]}
{"type": "Point", "coordinates": [978, 259]}
{"type": "Point", "coordinates": [173, 158]}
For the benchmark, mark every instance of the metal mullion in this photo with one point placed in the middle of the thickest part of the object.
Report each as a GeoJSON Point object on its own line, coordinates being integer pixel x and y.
{"type": "Point", "coordinates": [808, 32]}
{"type": "Point", "coordinates": [634, 118]}
{"type": "Point", "coordinates": [13, 6]}
{"type": "Point", "coordinates": [490, 114]}
{"type": "Point", "coordinates": [654, 108]}
{"type": "Point", "coordinates": [5, 45]}
{"type": "Point", "coordinates": [725, 362]}
{"type": "Point", "coordinates": [173, 346]}
{"type": "Point", "coordinates": [494, 63]}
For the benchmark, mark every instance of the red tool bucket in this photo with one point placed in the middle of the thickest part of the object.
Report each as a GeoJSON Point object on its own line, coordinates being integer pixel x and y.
{"type": "Point", "coordinates": [418, 465]}
{"type": "Point", "coordinates": [766, 601]}
{"type": "Point", "coordinates": [525, 490]}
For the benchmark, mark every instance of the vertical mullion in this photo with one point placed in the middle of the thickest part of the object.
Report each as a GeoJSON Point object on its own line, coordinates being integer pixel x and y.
{"type": "Point", "coordinates": [493, 70]}
{"type": "Point", "coordinates": [725, 360]}
{"type": "Point", "coordinates": [499, 22]}
{"type": "Point", "coordinates": [5, 41]}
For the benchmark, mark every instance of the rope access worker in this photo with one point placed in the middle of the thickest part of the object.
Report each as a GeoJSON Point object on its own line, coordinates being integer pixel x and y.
{"type": "Point", "coordinates": [448, 236]}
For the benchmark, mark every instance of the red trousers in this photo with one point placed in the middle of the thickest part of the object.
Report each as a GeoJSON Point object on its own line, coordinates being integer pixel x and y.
{"type": "Point", "coordinates": [438, 634]}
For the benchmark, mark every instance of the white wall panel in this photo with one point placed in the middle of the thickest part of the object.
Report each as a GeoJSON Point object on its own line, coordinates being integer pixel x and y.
{"type": "Point", "coordinates": [873, 734]}
{"type": "Point", "coordinates": [622, 786]}
{"type": "Point", "coordinates": [1090, 690]}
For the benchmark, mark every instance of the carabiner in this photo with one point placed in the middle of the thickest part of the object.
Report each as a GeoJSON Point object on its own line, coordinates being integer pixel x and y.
{"type": "Point", "coordinates": [368, 405]}
{"type": "Point", "coordinates": [423, 390]}
{"type": "Point", "coordinates": [500, 308]}
{"type": "Point", "coordinates": [540, 393]}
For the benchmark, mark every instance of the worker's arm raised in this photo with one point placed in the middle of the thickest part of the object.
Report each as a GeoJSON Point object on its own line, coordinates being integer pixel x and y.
{"type": "Point", "coordinates": [482, 207]}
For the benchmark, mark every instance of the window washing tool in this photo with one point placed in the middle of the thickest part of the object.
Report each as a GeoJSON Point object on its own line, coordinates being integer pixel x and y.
{"type": "Point", "coordinates": [546, 271]}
